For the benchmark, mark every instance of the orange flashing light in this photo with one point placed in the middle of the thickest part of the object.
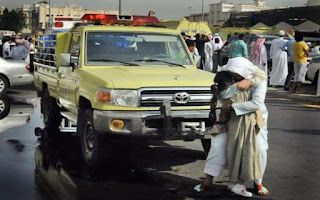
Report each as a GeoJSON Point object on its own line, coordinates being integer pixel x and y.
{"type": "Point", "coordinates": [104, 97]}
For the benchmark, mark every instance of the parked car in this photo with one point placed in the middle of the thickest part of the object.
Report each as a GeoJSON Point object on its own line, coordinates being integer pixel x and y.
{"type": "Point", "coordinates": [313, 70]}
{"type": "Point", "coordinates": [14, 115]}
{"type": "Point", "coordinates": [12, 73]}
{"type": "Point", "coordinates": [249, 39]}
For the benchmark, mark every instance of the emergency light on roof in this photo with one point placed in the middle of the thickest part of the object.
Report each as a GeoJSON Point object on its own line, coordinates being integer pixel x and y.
{"type": "Point", "coordinates": [134, 20]}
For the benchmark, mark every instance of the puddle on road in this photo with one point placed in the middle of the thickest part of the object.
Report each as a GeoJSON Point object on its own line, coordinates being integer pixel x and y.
{"type": "Point", "coordinates": [37, 168]}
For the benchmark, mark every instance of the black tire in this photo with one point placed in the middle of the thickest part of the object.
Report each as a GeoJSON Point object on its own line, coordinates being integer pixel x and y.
{"type": "Point", "coordinates": [95, 147]}
{"type": "Point", "coordinates": [206, 144]}
{"type": "Point", "coordinates": [315, 80]}
{"type": "Point", "coordinates": [4, 84]}
{"type": "Point", "coordinates": [4, 108]}
{"type": "Point", "coordinates": [50, 110]}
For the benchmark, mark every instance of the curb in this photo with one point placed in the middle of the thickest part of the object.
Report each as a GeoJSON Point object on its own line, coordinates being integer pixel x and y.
{"type": "Point", "coordinates": [272, 92]}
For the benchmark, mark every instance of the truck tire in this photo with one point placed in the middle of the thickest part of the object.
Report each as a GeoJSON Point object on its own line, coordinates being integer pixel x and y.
{"type": "Point", "coordinates": [206, 144]}
{"type": "Point", "coordinates": [95, 147]}
{"type": "Point", "coordinates": [4, 84]}
{"type": "Point", "coordinates": [50, 111]}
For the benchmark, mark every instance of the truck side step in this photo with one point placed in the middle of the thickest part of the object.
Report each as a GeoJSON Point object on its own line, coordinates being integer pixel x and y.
{"type": "Point", "coordinates": [70, 116]}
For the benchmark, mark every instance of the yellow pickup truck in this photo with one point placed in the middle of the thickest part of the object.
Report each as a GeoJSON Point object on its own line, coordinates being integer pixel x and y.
{"type": "Point", "coordinates": [116, 81]}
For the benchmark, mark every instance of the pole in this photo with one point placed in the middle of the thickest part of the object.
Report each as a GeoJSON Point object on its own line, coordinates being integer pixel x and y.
{"type": "Point", "coordinates": [202, 18]}
{"type": "Point", "coordinates": [190, 11]}
{"type": "Point", "coordinates": [120, 7]}
{"type": "Point", "coordinates": [318, 85]}
{"type": "Point", "coordinates": [49, 13]}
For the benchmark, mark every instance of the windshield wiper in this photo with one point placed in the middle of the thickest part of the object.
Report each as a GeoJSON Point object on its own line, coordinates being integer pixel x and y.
{"type": "Point", "coordinates": [109, 60]}
{"type": "Point", "coordinates": [156, 60]}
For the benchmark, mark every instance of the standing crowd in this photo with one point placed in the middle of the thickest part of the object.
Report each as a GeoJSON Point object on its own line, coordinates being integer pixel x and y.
{"type": "Point", "coordinates": [207, 47]}
{"type": "Point", "coordinates": [19, 48]}
{"type": "Point", "coordinates": [239, 136]}
{"type": "Point", "coordinates": [288, 56]}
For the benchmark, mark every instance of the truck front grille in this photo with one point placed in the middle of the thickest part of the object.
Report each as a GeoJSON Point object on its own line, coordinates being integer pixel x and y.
{"type": "Point", "coordinates": [189, 97]}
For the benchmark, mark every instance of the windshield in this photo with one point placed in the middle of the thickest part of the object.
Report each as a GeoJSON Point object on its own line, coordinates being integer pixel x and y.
{"type": "Point", "coordinates": [135, 49]}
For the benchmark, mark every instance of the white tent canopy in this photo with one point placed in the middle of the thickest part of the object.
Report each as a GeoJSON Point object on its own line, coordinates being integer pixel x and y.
{"type": "Point", "coordinates": [308, 26]}
{"type": "Point", "coordinates": [259, 25]}
{"type": "Point", "coordinates": [284, 26]}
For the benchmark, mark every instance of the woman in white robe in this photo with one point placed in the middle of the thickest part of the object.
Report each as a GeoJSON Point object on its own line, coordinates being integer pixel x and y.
{"type": "Point", "coordinates": [279, 58]}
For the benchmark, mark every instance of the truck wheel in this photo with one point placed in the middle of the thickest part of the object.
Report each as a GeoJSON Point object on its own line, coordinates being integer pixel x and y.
{"type": "Point", "coordinates": [4, 84]}
{"type": "Point", "coordinates": [50, 111]}
{"type": "Point", "coordinates": [95, 147]}
{"type": "Point", "coordinates": [206, 144]}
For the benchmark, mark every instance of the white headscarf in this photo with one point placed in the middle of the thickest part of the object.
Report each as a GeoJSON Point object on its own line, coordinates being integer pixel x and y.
{"type": "Point", "coordinates": [241, 66]}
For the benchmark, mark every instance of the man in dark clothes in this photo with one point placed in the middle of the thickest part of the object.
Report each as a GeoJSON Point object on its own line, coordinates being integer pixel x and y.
{"type": "Point", "coordinates": [200, 46]}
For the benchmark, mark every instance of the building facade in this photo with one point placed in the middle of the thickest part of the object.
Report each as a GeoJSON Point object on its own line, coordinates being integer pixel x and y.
{"type": "Point", "coordinates": [39, 14]}
{"type": "Point", "coordinates": [27, 11]}
{"type": "Point", "coordinates": [198, 17]}
{"type": "Point", "coordinates": [219, 13]}
{"type": "Point", "coordinates": [313, 3]}
{"type": "Point", "coordinates": [2, 9]}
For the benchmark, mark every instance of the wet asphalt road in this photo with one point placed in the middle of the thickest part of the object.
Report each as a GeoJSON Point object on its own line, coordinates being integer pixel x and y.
{"type": "Point", "coordinates": [33, 168]}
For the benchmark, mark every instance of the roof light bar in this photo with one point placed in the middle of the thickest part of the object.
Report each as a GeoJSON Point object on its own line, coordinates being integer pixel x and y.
{"type": "Point", "coordinates": [135, 20]}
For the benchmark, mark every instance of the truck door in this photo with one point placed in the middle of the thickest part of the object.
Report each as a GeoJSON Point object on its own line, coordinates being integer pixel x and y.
{"type": "Point", "coordinates": [69, 77]}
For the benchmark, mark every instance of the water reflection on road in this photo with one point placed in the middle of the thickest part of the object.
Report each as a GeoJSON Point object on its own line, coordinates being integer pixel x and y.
{"type": "Point", "coordinates": [39, 167]}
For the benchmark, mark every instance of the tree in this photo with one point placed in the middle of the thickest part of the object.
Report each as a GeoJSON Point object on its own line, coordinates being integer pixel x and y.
{"type": "Point", "coordinates": [12, 20]}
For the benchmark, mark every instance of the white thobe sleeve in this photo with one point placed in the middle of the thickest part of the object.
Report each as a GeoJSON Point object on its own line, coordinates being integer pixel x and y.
{"type": "Point", "coordinates": [196, 52]}
{"type": "Point", "coordinates": [229, 92]}
{"type": "Point", "coordinates": [272, 49]}
{"type": "Point", "coordinates": [264, 54]}
{"type": "Point", "coordinates": [284, 47]}
{"type": "Point", "coordinates": [258, 97]}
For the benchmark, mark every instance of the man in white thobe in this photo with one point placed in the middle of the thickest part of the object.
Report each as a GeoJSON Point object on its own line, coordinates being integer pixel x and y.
{"type": "Point", "coordinates": [279, 58]}
{"type": "Point", "coordinates": [220, 44]}
{"type": "Point", "coordinates": [6, 48]}
{"type": "Point", "coordinates": [216, 160]}
{"type": "Point", "coordinates": [208, 64]}
{"type": "Point", "coordinates": [216, 46]}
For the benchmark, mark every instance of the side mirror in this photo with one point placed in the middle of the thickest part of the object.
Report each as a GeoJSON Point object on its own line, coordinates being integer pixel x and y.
{"type": "Point", "coordinates": [65, 59]}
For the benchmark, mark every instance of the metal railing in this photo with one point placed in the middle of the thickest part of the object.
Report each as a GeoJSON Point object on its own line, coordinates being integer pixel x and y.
{"type": "Point", "coordinates": [46, 50]}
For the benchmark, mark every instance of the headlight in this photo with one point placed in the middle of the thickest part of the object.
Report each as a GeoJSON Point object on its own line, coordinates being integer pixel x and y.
{"type": "Point", "coordinates": [118, 97]}
{"type": "Point", "coordinates": [124, 97]}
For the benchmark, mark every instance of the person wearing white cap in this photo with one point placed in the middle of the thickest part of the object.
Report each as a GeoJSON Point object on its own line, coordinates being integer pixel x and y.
{"type": "Point", "coordinates": [279, 58]}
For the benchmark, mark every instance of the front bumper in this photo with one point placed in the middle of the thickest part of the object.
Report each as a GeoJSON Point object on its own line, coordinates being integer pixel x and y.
{"type": "Point", "coordinates": [158, 124]}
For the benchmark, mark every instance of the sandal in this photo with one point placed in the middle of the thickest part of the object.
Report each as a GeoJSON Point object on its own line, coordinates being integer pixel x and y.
{"type": "Point", "coordinates": [201, 187]}
{"type": "Point", "coordinates": [261, 190]}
